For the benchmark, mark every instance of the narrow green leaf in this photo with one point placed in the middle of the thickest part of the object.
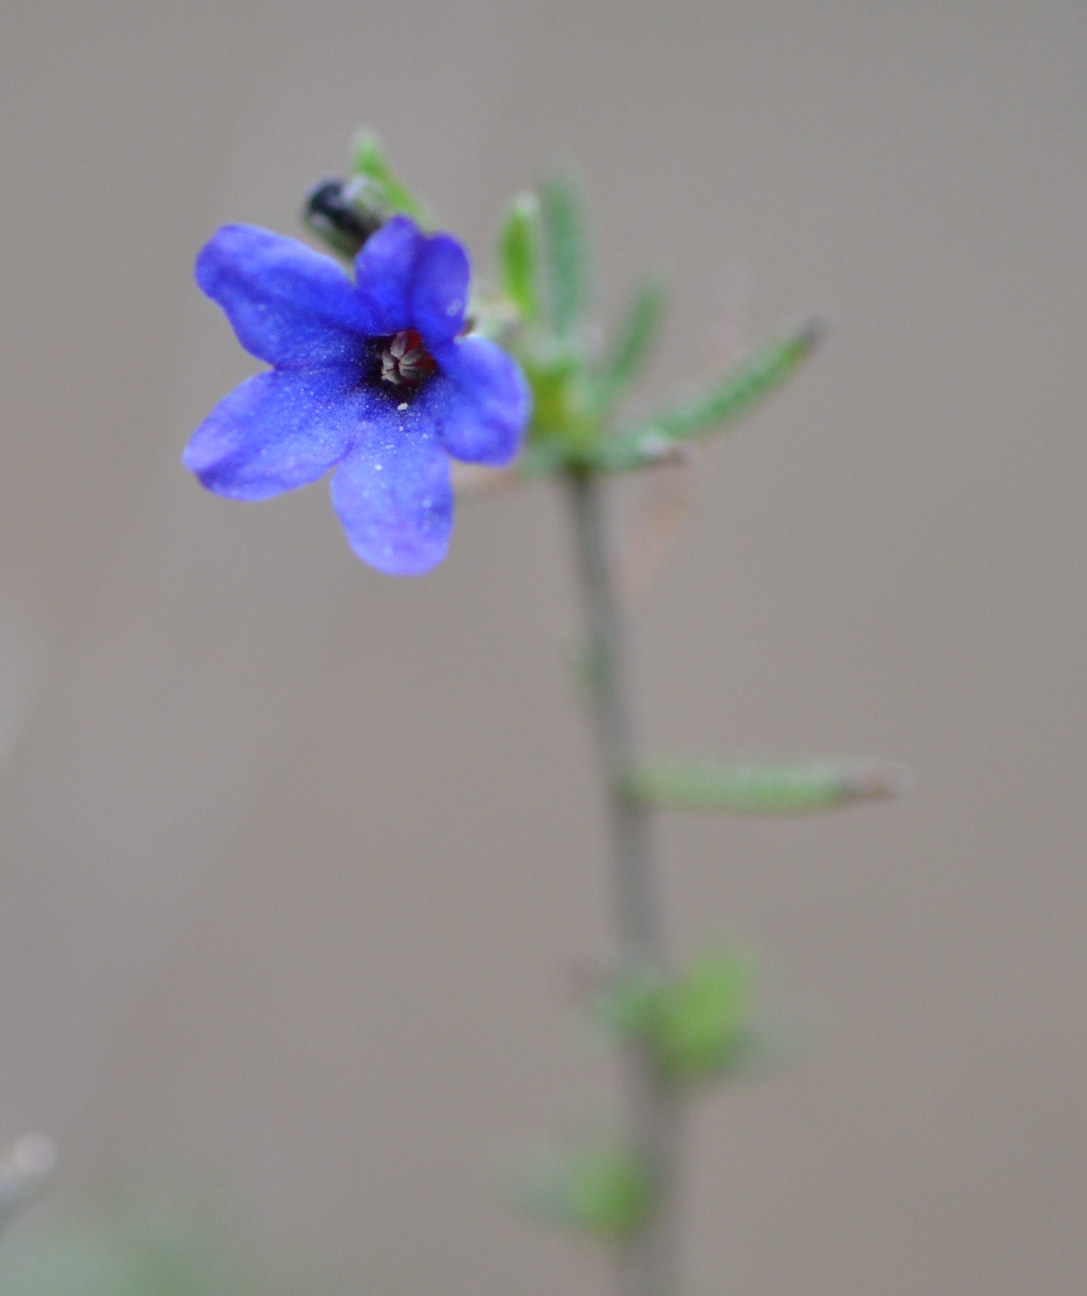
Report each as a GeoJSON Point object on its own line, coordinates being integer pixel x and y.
{"type": "Point", "coordinates": [519, 254]}
{"type": "Point", "coordinates": [565, 259]}
{"type": "Point", "coordinates": [368, 161]}
{"type": "Point", "coordinates": [635, 340]}
{"type": "Point", "coordinates": [759, 789]}
{"type": "Point", "coordinates": [731, 396]}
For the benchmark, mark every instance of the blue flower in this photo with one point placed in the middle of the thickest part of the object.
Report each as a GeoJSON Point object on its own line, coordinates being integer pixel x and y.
{"type": "Point", "coordinates": [369, 377]}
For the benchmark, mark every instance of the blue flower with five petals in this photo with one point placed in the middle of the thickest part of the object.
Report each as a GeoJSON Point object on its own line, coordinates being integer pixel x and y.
{"type": "Point", "coordinates": [370, 377]}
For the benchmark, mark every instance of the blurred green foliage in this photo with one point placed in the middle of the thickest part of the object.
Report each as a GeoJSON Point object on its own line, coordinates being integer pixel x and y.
{"type": "Point", "coordinates": [578, 384]}
{"type": "Point", "coordinates": [519, 255]}
{"type": "Point", "coordinates": [384, 191]}
{"type": "Point", "coordinates": [601, 1188]}
{"type": "Point", "coordinates": [121, 1254]}
{"type": "Point", "coordinates": [699, 1023]}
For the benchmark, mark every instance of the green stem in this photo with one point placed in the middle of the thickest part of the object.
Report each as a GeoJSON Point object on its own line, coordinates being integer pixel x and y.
{"type": "Point", "coordinates": [647, 1261]}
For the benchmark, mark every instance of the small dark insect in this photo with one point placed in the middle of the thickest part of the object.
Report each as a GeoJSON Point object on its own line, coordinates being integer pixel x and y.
{"type": "Point", "coordinates": [334, 209]}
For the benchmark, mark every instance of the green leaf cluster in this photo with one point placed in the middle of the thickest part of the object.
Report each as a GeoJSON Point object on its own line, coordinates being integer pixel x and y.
{"type": "Point", "coordinates": [704, 1018]}
{"type": "Point", "coordinates": [578, 385]}
{"type": "Point", "coordinates": [602, 1188]}
{"type": "Point", "coordinates": [700, 1025]}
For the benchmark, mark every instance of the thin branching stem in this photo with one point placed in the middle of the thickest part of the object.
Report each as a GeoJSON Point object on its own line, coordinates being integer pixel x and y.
{"type": "Point", "coordinates": [648, 1259]}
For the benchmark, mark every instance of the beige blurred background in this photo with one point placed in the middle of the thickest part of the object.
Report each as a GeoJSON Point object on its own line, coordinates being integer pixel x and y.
{"type": "Point", "coordinates": [298, 859]}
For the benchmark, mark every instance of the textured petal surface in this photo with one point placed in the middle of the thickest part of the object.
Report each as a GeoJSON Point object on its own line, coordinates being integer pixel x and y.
{"type": "Point", "coordinates": [277, 431]}
{"type": "Point", "coordinates": [480, 402]}
{"type": "Point", "coordinates": [288, 304]}
{"type": "Point", "coordinates": [394, 497]}
{"type": "Point", "coordinates": [385, 274]}
{"type": "Point", "coordinates": [440, 289]}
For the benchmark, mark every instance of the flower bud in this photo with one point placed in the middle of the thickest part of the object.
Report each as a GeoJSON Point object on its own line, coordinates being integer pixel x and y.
{"type": "Point", "coordinates": [336, 210]}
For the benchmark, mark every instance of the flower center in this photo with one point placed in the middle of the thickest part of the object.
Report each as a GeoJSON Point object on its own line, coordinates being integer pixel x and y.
{"type": "Point", "coordinates": [405, 361]}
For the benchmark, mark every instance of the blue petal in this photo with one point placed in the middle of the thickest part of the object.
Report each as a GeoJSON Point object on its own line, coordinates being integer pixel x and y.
{"type": "Point", "coordinates": [277, 431]}
{"type": "Point", "coordinates": [385, 274]}
{"type": "Point", "coordinates": [479, 403]}
{"type": "Point", "coordinates": [288, 304]}
{"type": "Point", "coordinates": [440, 291]}
{"type": "Point", "coordinates": [394, 497]}
{"type": "Point", "coordinates": [407, 279]}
